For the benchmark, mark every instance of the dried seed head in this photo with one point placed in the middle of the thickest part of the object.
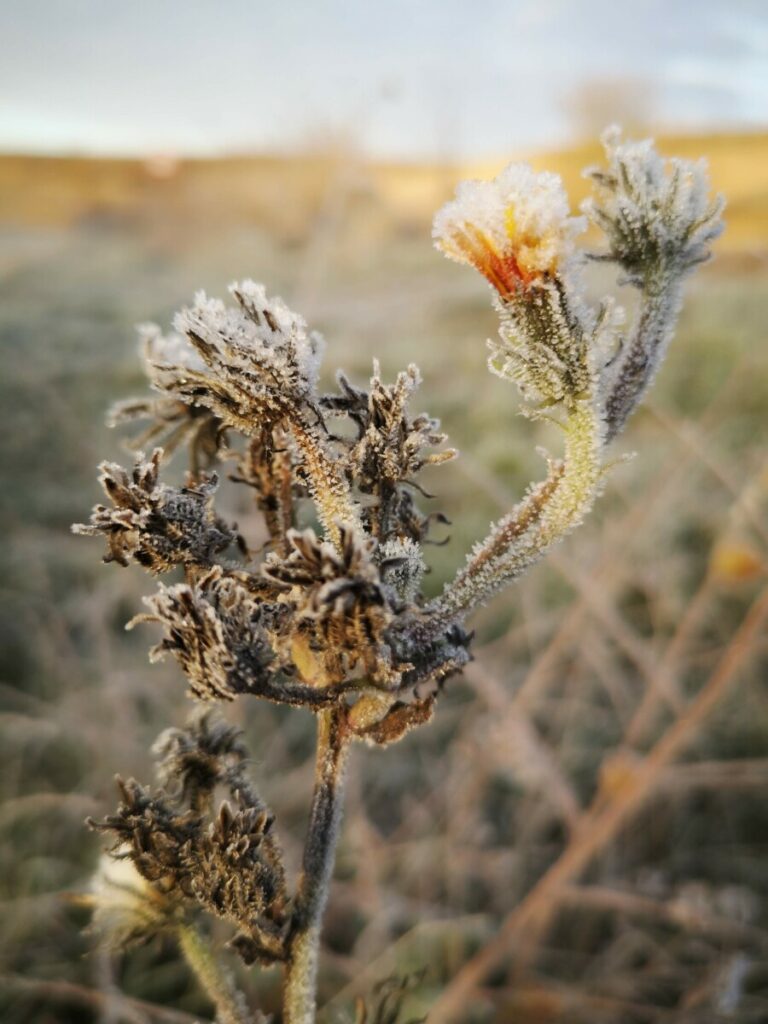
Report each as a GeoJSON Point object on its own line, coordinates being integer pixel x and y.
{"type": "Point", "coordinates": [215, 631]}
{"type": "Point", "coordinates": [339, 608]}
{"type": "Point", "coordinates": [236, 874]}
{"type": "Point", "coordinates": [157, 526]}
{"type": "Point", "coordinates": [229, 863]}
{"type": "Point", "coordinates": [389, 451]}
{"type": "Point", "coordinates": [192, 761]}
{"type": "Point", "coordinates": [390, 447]}
{"type": "Point", "coordinates": [251, 364]}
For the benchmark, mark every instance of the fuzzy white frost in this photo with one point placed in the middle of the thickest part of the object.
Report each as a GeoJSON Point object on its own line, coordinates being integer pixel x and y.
{"type": "Point", "coordinates": [518, 214]}
{"type": "Point", "coordinates": [259, 328]}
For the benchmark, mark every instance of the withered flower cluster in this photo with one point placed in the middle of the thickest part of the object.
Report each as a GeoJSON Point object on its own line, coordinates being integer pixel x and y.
{"type": "Point", "coordinates": [223, 858]}
{"type": "Point", "coordinates": [329, 612]}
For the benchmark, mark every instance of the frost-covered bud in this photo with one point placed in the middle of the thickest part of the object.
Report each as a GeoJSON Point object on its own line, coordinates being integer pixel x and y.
{"type": "Point", "coordinates": [516, 230]}
{"type": "Point", "coordinates": [658, 220]}
{"type": "Point", "coordinates": [656, 213]}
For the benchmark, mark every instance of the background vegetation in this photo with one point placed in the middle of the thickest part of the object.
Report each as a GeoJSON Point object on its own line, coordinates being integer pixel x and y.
{"type": "Point", "coordinates": [657, 904]}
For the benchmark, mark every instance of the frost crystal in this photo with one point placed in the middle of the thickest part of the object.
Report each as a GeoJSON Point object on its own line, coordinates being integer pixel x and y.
{"type": "Point", "coordinates": [158, 349]}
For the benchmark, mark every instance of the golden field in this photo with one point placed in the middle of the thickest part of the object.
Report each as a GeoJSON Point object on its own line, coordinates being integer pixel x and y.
{"type": "Point", "coordinates": [285, 192]}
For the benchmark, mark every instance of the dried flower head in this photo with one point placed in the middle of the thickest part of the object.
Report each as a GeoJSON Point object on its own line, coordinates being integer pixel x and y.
{"type": "Point", "coordinates": [249, 364]}
{"type": "Point", "coordinates": [155, 525]}
{"type": "Point", "coordinates": [226, 862]}
{"type": "Point", "coordinates": [207, 753]}
{"type": "Point", "coordinates": [339, 606]}
{"type": "Point", "coordinates": [214, 629]}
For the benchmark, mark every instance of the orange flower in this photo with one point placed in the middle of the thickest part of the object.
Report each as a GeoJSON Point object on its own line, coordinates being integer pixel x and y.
{"type": "Point", "coordinates": [516, 230]}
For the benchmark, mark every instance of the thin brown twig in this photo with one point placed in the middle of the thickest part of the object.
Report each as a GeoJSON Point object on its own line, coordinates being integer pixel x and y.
{"type": "Point", "coordinates": [81, 995]}
{"type": "Point", "coordinates": [673, 911]}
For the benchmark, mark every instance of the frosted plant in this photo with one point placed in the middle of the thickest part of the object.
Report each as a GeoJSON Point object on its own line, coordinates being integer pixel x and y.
{"type": "Point", "coordinates": [331, 615]}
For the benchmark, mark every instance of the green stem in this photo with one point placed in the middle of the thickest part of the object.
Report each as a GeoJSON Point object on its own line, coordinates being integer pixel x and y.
{"type": "Point", "coordinates": [299, 992]}
{"type": "Point", "coordinates": [545, 516]}
{"type": "Point", "coordinates": [216, 981]}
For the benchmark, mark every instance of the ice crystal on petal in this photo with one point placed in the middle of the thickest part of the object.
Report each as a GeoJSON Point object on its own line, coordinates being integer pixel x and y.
{"type": "Point", "coordinates": [515, 229]}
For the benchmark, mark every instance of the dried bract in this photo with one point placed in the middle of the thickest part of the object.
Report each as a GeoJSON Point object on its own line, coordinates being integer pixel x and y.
{"type": "Point", "coordinates": [155, 525]}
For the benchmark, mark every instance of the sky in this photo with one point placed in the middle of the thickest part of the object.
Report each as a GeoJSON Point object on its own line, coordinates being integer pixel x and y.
{"type": "Point", "coordinates": [413, 79]}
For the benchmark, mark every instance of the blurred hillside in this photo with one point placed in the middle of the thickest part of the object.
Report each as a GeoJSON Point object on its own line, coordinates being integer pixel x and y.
{"type": "Point", "coordinates": [286, 195]}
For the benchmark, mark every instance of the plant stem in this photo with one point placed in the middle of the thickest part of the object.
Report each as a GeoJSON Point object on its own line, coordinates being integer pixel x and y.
{"type": "Point", "coordinates": [299, 1002]}
{"type": "Point", "coordinates": [330, 491]}
{"type": "Point", "coordinates": [217, 982]}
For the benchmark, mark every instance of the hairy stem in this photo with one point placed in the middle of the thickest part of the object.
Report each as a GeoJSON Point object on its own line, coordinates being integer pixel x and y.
{"type": "Point", "coordinates": [299, 1001]}
{"type": "Point", "coordinates": [216, 981]}
{"type": "Point", "coordinates": [547, 514]}
{"type": "Point", "coordinates": [327, 485]}
{"type": "Point", "coordinates": [644, 351]}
